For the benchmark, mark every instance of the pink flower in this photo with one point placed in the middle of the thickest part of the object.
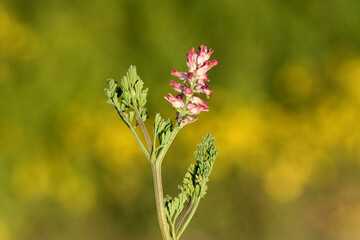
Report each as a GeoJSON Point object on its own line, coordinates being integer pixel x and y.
{"type": "Point", "coordinates": [184, 89]}
{"type": "Point", "coordinates": [198, 101]}
{"type": "Point", "coordinates": [175, 101]}
{"type": "Point", "coordinates": [187, 119]}
{"type": "Point", "coordinates": [187, 91]}
{"type": "Point", "coordinates": [190, 77]}
{"type": "Point", "coordinates": [194, 109]}
{"type": "Point", "coordinates": [204, 89]}
{"type": "Point", "coordinates": [203, 55]}
{"type": "Point", "coordinates": [180, 75]}
{"type": "Point", "coordinates": [191, 56]}
{"type": "Point", "coordinates": [177, 86]}
{"type": "Point", "coordinates": [206, 67]}
{"type": "Point", "coordinates": [202, 79]}
{"type": "Point", "coordinates": [180, 96]}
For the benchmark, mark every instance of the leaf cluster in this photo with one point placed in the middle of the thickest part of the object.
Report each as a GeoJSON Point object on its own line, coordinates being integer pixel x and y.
{"type": "Point", "coordinates": [129, 100]}
{"type": "Point", "coordinates": [162, 130]}
{"type": "Point", "coordinates": [195, 181]}
{"type": "Point", "coordinates": [174, 207]}
{"type": "Point", "coordinates": [198, 174]}
{"type": "Point", "coordinates": [134, 96]}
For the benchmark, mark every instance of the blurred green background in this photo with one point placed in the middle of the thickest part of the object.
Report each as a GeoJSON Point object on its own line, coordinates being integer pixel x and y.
{"type": "Point", "coordinates": [285, 111]}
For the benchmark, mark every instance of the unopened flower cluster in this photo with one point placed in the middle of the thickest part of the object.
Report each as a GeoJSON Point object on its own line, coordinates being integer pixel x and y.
{"type": "Point", "coordinates": [193, 81]}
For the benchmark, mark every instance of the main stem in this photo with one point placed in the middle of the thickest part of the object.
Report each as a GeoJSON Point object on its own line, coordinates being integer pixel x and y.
{"type": "Point", "coordinates": [159, 198]}
{"type": "Point", "coordinates": [159, 195]}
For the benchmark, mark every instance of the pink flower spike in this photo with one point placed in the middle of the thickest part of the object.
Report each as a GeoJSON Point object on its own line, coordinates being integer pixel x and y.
{"type": "Point", "coordinates": [180, 75]}
{"type": "Point", "coordinates": [196, 109]}
{"type": "Point", "coordinates": [193, 81]}
{"type": "Point", "coordinates": [177, 86]}
{"type": "Point", "coordinates": [175, 101]}
{"type": "Point", "coordinates": [199, 101]}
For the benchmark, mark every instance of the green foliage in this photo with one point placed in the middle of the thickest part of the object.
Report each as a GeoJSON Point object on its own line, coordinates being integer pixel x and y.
{"type": "Point", "coordinates": [130, 95]}
{"type": "Point", "coordinates": [113, 93]}
{"type": "Point", "coordinates": [197, 176]}
{"type": "Point", "coordinates": [194, 183]}
{"type": "Point", "coordinates": [162, 129]}
{"type": "Point", "coordinates": [129, 101]}
{"type": "Point", "coordinates": [134, 96]}
{"type": "Point", "coordinates": [174, 207]}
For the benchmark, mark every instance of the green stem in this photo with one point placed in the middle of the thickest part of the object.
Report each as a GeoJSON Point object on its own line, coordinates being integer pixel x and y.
{"type": "Point", "coordinates": [160, 205]}
{"type": "Point", "coordinates": [134, 133]}
{"type": "Point", "coordinates": [143, 128]}
{"type": "Point", "coordinates": [159, 195]}
{"type": "Point", "coordinates": [188, 219]}
{"type": "Point", "coordinates": [163, 151]}
{"type": "Point", "coordinates": [140, 143]}
{"type": "Point", "coordinates": [184, 214]}
{"type": "Point", "coordinates": [173, 233]}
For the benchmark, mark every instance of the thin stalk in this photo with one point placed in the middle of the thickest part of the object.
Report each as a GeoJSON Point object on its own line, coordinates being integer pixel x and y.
{"type": "Point", "coordinates": [140, 143]}
{"type": "Point", "coordinates": [164, 150]}
{"type": "Point", "coordinates": [184, 214]}
{"type": "Point", "coordinates": [135, 135]}
{"type": "Point", "coordinates": [173, 233]}
{"type": "Point", "coordinates": [154, 149]}
{"type": "Point", "coordinates": [143, 129]}
{"type": "Point", "coordinates": [160, 205]}
{"type": "Point", "coordinates": [191, 214]}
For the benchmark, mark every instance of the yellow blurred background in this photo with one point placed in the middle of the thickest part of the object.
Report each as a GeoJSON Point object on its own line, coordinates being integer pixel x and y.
{"type": "Point", "coordinates": [285, 111]}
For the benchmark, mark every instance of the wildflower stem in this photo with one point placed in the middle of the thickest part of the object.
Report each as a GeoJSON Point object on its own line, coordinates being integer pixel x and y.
{"type": "Point", "coordinates": [159, 195]}
{"type": "Point", "coordinates": [173, 233]}
{"type": "Point", "coordinates": [159, 198]}
{"type": "Point", "coordinates": [164, 150]}
{"type": "Point", "coordinates": [192, 211]}
{"type": "Point", "coordinates": [144, 130]}
{"type": "Point", "coordinates": [184, 214]}
{"type": "Point", "coordinates": [134, 133]}
{"type": "Point", "coordinates": [140, 143]}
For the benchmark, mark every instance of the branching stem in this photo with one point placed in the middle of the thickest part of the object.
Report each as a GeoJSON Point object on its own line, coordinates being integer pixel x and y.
{"type": "Point", "coordinates": [135, 135]}
{"type": "Point", "coordinates": [143, 129]}
{"type": "Point", "coordinates": [160, 205]}
{"type": "Point", "coordinates": [140, 143]}
{"type": "Point", "coordinates": [159, 195]}
{"type": "Point", "coordinates": [190, 215]}
{"type": "Point", "coordinates": [164, 150]}
{"type": "Point", "coordinates": [184, 214]}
